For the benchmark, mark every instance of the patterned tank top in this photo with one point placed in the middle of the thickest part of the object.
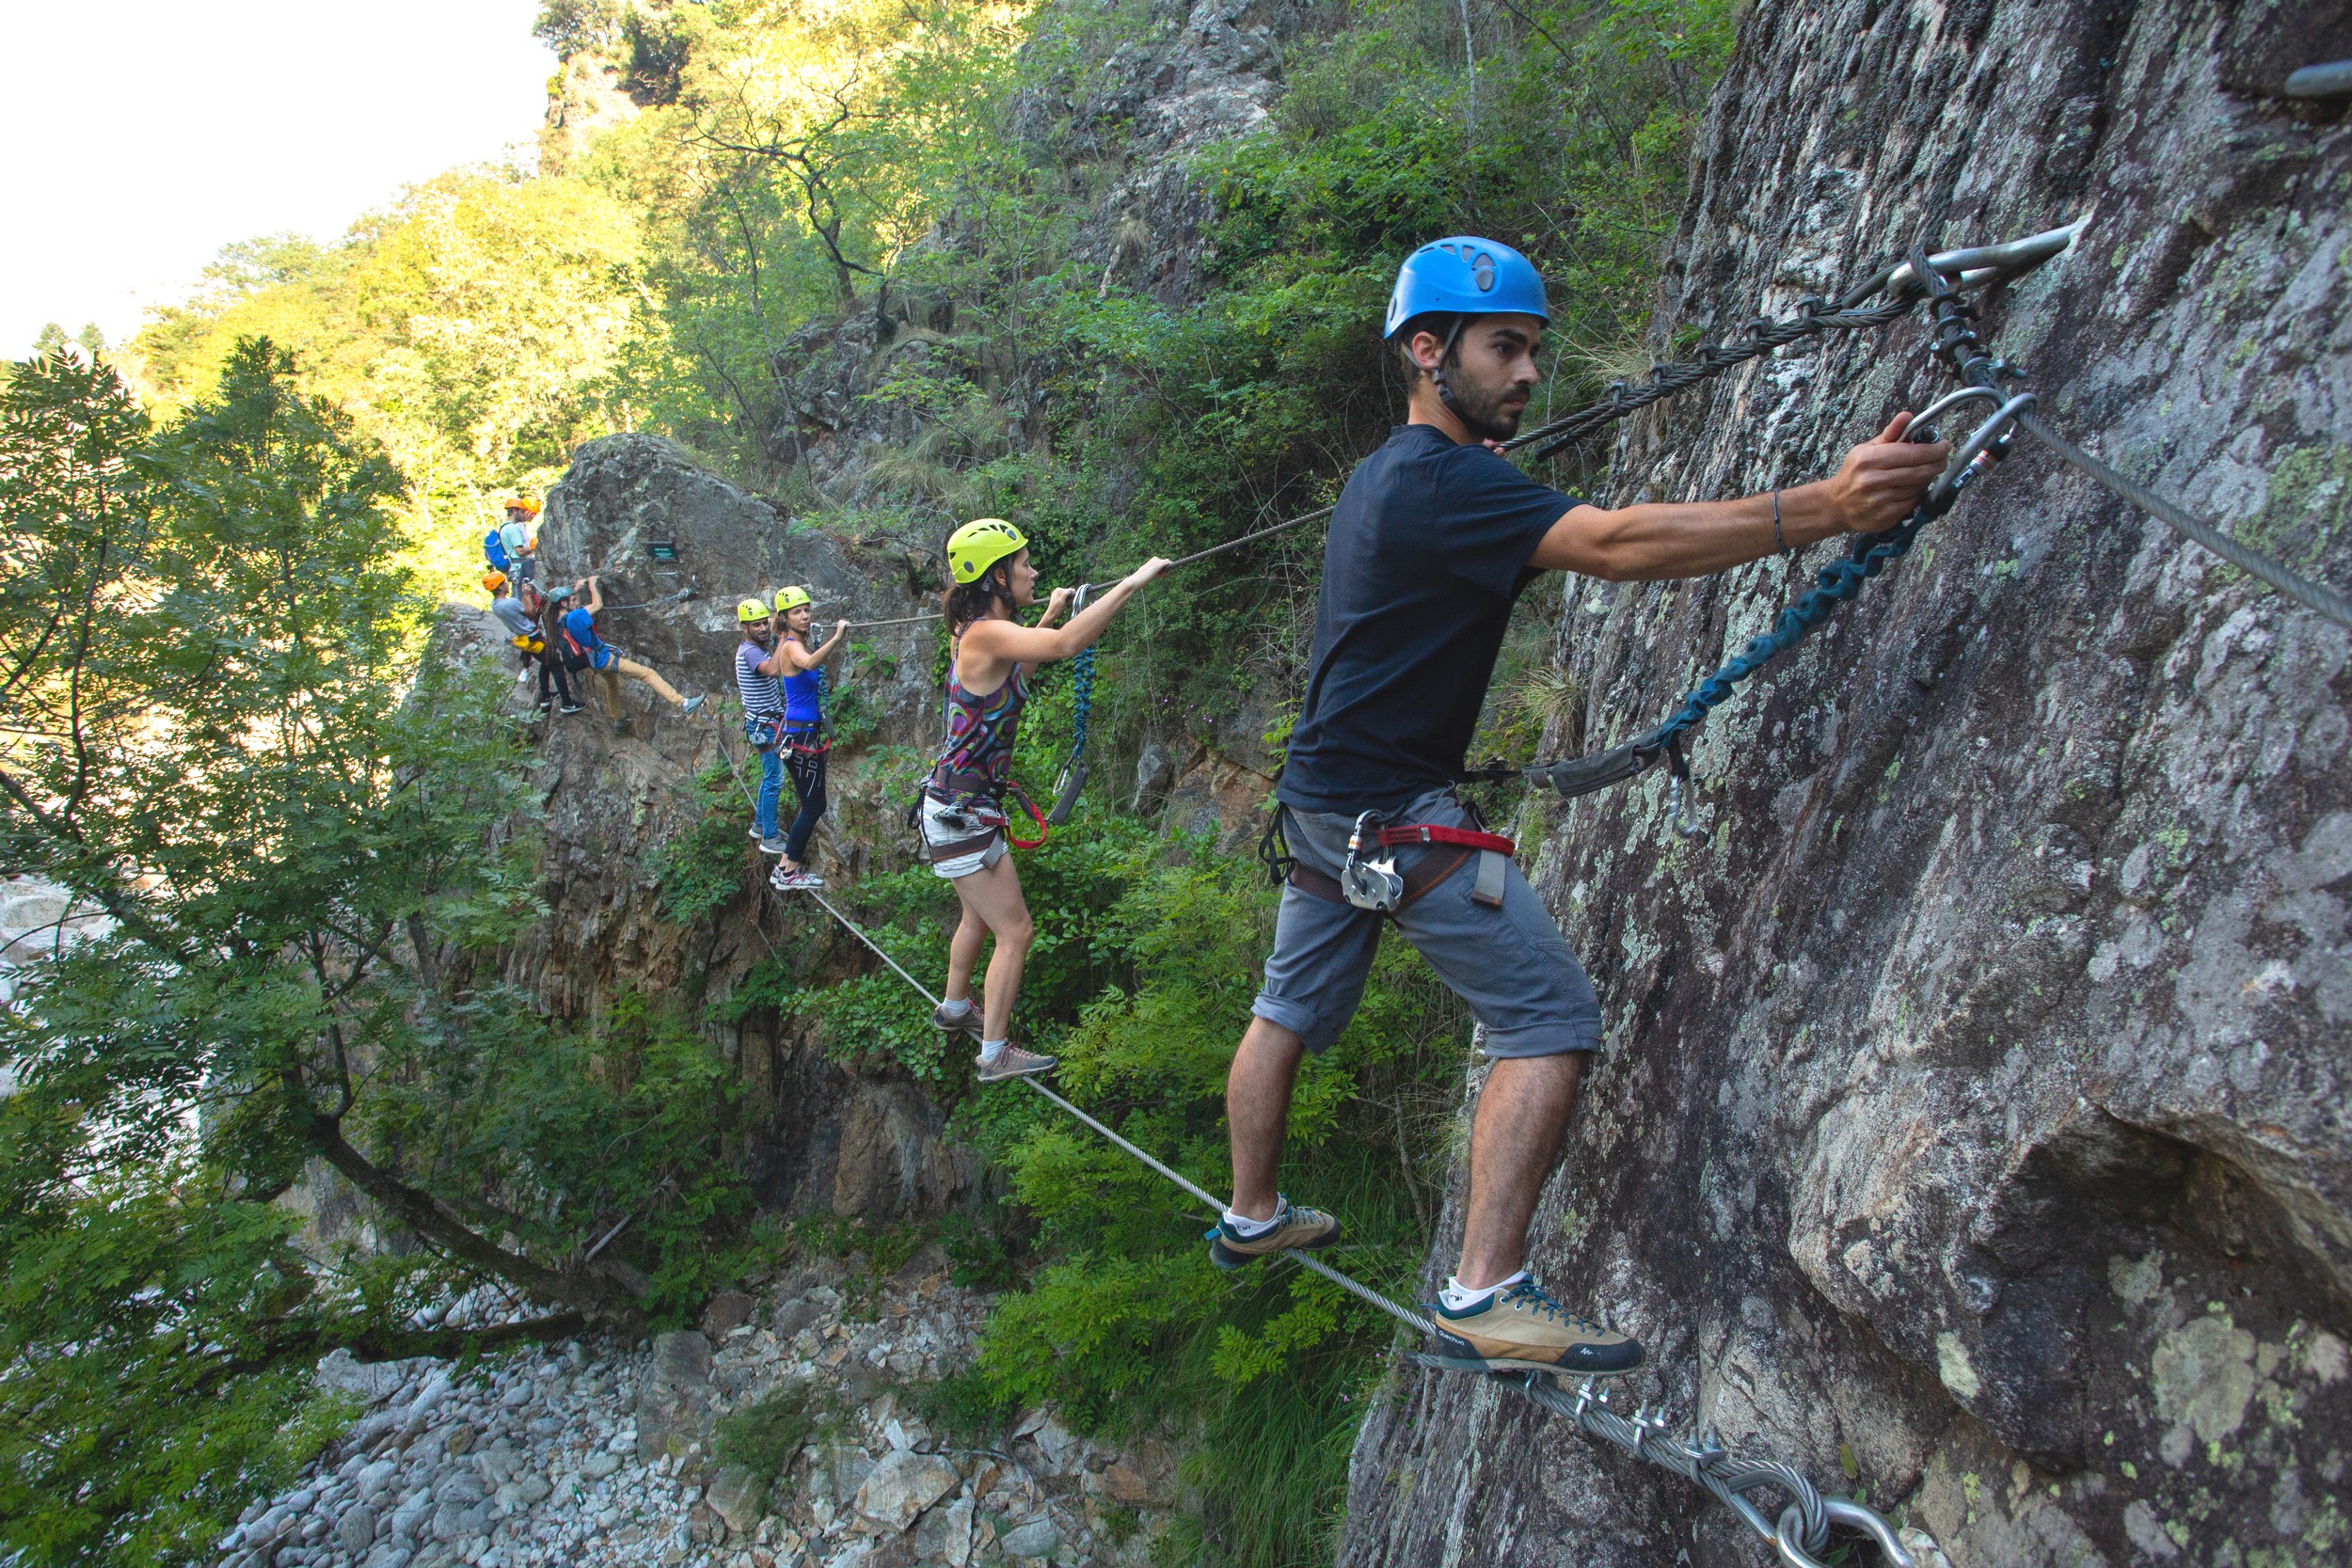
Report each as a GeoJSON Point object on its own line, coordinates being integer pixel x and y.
{"type": "Point", "coordinates": [977, 757]}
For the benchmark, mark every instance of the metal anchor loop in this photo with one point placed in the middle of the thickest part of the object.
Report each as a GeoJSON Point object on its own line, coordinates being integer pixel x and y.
{"type": "Point", "coordinates": [1681, 807]}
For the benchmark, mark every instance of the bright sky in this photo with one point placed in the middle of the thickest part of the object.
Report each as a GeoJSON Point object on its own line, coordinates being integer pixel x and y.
{"type": "Point", "coordinates": [142, 135]}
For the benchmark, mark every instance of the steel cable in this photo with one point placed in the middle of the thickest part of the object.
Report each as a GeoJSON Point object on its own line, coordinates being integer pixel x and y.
{"type": "Point", "coordinates": [2313, 596]}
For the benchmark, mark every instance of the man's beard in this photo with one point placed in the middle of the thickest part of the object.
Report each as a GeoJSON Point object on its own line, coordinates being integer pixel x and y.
{"type": "Point", "coordinates": [1487, 412]}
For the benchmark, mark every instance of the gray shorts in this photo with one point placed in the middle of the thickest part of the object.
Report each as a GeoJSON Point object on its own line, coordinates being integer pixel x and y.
{"type": "Point", "coordinates": [1510, 964]}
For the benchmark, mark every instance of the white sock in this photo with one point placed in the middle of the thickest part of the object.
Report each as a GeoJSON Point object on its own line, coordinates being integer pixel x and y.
{"type": "Point", "coordinates": [1246, 1227]}
{"type": "Point", "coordinates": [990, 1049]}
{"type": "Point", "coordinates": [1459, 1297]}
{"type": "Point", "coordinates": [957, 1007]}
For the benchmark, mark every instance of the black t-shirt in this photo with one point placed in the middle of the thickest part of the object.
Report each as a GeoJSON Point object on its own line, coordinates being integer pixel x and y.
{"type": "Point", "coordinates": [1427, 552]}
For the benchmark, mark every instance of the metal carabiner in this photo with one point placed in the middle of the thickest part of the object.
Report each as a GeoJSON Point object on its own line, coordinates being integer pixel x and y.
{"type": "Point", "coordinates": [1681, 795]}
{"type": "Point", "coordinates": [1980, 440]}
{"type": "Point", "coordinates": [1372, 884]}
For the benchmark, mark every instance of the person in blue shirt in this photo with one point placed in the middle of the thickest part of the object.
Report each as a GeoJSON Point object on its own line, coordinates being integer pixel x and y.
{"type": "Point", "coordinates": [1431, 542]}
{"type": "Point", "coordinates": [584, 649]}
{"type": "Point", "coordinates": [802, 734]}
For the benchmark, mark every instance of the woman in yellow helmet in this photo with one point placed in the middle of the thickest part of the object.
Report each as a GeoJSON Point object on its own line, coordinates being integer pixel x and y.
{"type": "Point", "coordinates": [786, 724]}
{"type": "Point", "coordinates": [963, 816]}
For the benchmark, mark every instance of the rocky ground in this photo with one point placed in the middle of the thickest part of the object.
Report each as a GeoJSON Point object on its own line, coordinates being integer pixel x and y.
{"type": "Point", "coordinates": [594, 1453]}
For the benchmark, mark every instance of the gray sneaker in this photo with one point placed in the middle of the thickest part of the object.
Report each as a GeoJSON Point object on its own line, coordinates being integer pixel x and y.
{"type": "Point", "coordinates": [967, 1021]}
{"type": "Point", "coordinates": [1014, 1063]}
{"type": "Point", "coordinates": [690, 705]}
{"type": "Point", "coordinates": [788, 881]}
{"type": "Point", "coordinates": [770, 843]}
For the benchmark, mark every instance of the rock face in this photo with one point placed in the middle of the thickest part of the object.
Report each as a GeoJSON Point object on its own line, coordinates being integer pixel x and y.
{"type": "Point", "coordinates": [1974, 1108]}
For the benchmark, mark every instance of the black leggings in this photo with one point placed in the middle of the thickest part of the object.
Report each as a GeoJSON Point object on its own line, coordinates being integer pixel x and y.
{"type": "Point", "coordinates": [551, 666]}
{"type": "Point", "coordinates": [807, 772]}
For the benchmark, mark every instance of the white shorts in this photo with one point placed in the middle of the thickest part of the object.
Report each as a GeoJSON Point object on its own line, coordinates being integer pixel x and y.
{"type": "Point", "coordinates": [945, 826]}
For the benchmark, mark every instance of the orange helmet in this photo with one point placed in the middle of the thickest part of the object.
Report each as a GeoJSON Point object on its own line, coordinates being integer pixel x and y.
{"type": "Point", "coordinates": [494, 582]}
{"type": "Point", "coordinates": [523, 504]}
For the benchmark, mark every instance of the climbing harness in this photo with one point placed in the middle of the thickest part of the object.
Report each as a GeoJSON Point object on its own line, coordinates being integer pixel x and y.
{"type": "Point", "coordinates": [1072, 779]}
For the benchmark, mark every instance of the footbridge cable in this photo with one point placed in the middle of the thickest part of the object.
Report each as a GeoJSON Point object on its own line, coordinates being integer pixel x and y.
{"type": "Point", "coordinates": [1801, 1534]}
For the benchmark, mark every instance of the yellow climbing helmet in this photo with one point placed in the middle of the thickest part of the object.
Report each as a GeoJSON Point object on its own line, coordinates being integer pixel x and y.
{"type": "Point", "coordinates": [980, 544]}
{"type": "Point", "coordinates": [750, 611]}
{"type": "Point", "coordinates": [790, 598]}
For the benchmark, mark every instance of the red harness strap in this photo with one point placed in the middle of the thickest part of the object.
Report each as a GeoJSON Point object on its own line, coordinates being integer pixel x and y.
{"type": "Point", "coordinates": [1427, 832]}
{"type": "Point", "coordinates": [1035, 817]}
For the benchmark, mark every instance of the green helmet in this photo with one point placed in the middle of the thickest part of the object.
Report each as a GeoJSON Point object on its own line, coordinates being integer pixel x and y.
{"type": "Point", "coordinates": [790, 598]}
{"type": "Point", "coordinates": [980, 544]}
{"type": "Point", "coordinates": [750, 611]}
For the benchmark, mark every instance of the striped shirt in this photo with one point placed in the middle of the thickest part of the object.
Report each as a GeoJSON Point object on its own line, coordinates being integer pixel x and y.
{"type": "Point", "coordinates": [762, 695]}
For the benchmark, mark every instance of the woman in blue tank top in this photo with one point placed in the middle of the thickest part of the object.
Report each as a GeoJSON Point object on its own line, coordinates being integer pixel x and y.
{"type": "Point", "coordinates": [800, 738]}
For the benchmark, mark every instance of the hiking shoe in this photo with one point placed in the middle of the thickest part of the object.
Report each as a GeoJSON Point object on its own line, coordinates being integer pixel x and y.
{"type": "Point", "coordinates": [966, 1021]}
{"type": "Point", "coordinates": [1295, 1225]}
{"type": "Point", "coordinates": [1013, 1063]}
{"type": "Point", "coordinates": [569, 707]}
{"type": "Point", "coordinates": [770, 843]}
{"type": "Point", "coordinates": [788, 881]}
{"type": "Point", "coordinates": [1521, 1329]}
{"type": "Point", "coordinates": [690, 705]}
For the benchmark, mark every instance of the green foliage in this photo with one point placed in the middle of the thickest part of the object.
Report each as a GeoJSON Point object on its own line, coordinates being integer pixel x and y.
{"type": "Point", "coordinates": [217, 730]}
{"type": "Point", "coordinates": [701, 865]}
{"type": "Point", "coordinates": [475, 331]}
{"type": "Point", "coordinates": [765, 1436]}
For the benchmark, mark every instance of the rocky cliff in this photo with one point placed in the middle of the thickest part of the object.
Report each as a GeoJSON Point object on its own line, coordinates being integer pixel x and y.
{"type": "Point", "coordinates": [677, 547]}
{"type": "Point", "coordinates": [1972, 1117]}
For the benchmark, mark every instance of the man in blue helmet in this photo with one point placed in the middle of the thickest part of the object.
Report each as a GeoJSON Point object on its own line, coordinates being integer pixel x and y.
{"type": "Point", "coordinates": [1433, 540]}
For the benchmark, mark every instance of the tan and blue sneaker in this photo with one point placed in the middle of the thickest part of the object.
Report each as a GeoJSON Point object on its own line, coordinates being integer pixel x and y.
{"type": "Point", "coordinates": [1295, 1225]}
{"type": "Point", "coordinates": [1521, 1329]}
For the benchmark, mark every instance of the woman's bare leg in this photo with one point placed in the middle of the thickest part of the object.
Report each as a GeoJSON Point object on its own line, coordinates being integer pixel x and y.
{"type": "Point", "coordinates": [963, 950]}
{"type": "Point", "coordinates": [635, 671]}
{"type": "Point", "coordinates": [994, 895]}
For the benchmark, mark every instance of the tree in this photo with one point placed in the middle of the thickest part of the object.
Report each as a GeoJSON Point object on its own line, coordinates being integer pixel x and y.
{"type": "Point", "coordinates": [214, 726]}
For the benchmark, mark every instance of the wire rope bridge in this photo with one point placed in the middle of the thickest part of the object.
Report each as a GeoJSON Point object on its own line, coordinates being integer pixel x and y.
{"type": "Point", "coordinates": [1803, 1531]}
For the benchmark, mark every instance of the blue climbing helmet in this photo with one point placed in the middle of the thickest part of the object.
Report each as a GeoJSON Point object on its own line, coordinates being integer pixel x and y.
{"type": "Point", "coordinates": [1467, 276]}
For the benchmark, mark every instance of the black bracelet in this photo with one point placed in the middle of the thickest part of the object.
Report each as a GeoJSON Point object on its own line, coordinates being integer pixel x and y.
{"type": "Point", "coordinates": [1778, 543]}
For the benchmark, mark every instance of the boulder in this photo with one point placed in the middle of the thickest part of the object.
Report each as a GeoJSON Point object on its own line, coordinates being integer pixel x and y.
{"type": "Point", "coordinates": [1034, 1539]}
{"type": "Point", "coordinates": [944, 1534]}
{"type": "Point", "coordinates": [674, 1409]}
{"type": "Point", "coordinates": [356, 1530]}
{"type": "Point", "coordinates": [738, 1496]}
{"type": "Point", "coordinates": [729, 1310]}
{"type": "Point", "coordinates": [902, 1487]}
